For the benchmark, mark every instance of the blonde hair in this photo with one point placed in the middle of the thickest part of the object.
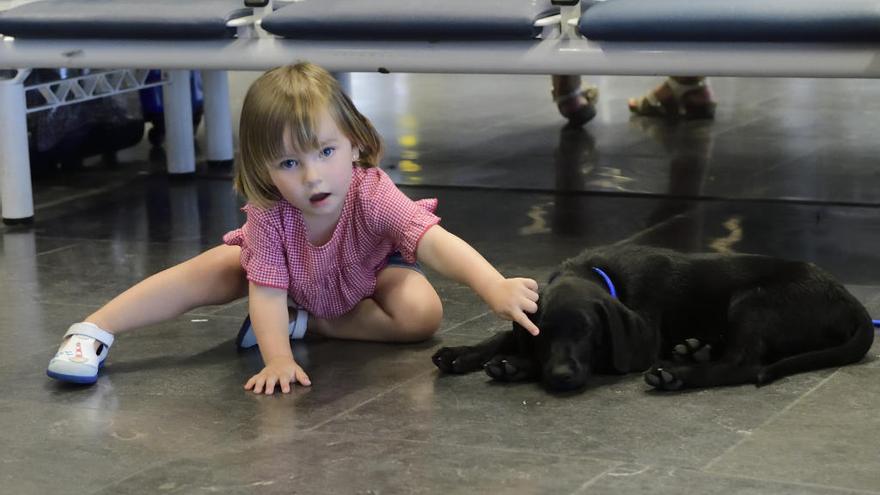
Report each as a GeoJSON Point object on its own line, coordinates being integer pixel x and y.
{"type": "Point", "coordinates": [289, 100]}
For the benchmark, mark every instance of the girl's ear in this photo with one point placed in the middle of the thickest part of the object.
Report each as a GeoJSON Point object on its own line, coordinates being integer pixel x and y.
{"type": "Point", "coordinates": [355, 154]}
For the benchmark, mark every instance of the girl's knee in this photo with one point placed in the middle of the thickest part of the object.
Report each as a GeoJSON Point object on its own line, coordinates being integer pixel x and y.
{"type": "Point", "coordinates": [419, 319]}
{"type": "Point", "coordinates": [412, 303]}
{"type": "Point", "coordinates": [432, 317]}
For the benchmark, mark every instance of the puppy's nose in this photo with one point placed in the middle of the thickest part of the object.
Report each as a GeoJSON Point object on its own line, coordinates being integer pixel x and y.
{"type": "Point", "coordinates": [562, 373]}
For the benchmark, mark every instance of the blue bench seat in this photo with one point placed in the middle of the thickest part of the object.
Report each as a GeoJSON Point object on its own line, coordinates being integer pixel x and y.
{"type": "Point", "coordinates": [123, 19]}
{"type": "Point", "coordinates": [426, 20]}
{"type": "Point", "coordinates": [794, 21]}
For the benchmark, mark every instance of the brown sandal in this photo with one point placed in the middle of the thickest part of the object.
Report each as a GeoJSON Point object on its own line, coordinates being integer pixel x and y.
{"type": "Point", "coordinates": [685, 101]}
{"type": "Point", "coordinates": [582, 112]}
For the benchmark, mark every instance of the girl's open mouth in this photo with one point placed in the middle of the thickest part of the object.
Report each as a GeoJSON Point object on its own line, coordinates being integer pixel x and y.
{"type": "Point", "coordinates": [317, 198]}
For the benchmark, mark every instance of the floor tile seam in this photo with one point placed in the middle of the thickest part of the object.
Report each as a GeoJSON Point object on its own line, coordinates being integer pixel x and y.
{"type": "Point", "coordinates": [696, 198]}
{"type": "Point", "coordinates": [783, 160]}
{"type": "Point", "coordinates": [155, 412]}
{"type": "Point", "coordinates": [773, 417]}
{"type": "Point", "coordinates": [836, 489]}
{"type": "Point", "coordinates": [63, 248]}
{"type": "Point", "coordinates": [508, 450]}
{"type": "Point", "coordinates": [132, 240]}
{"type": "Point", "coordinates": [659, 225]}
{"type": "Point", "coordinates": [195, 313]}
{"type": "Point", "coordinates": [114, 186]}
{"type": "Point", "coordinates": [749, 122]}
{"type": "Point", "coordinates": [740, 124]}
{"type": "Point", "coordinates": [68, 304]}
{"type": "Point", "coordinates": [462, 323]}
{"type": "Point", "coordinates": [581, 490]}
{"type": "Point", "coordinates": [367, 401]}
{"type": "Point", "coordinates": [490, 331]}
{"type": "Point", "coordinates": [128, 476]}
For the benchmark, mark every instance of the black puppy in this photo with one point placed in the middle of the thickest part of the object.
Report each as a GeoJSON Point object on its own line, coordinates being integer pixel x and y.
{"type": "Point", "coordinates": [696, 320]}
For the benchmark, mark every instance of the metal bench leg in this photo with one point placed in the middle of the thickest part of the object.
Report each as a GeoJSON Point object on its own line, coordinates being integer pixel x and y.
{"type": "Point", "coordinates": [218, 120]}
{"type": "Point", "coordinates": [16, 194]}
{"type": "Point", "coordinates": [180, 150]}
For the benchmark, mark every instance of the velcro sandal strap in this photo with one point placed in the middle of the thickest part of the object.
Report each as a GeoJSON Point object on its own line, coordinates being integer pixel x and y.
{"type": "Point", "coordinates": [91, 330]}
{"type": "Point", "coordinates": [299, 325]}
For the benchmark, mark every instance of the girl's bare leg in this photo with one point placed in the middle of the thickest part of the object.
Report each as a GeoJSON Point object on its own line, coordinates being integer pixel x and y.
{"type": "Point", "coordinates": [404, 308]}
{"type": "Point", "coordinates": [213, 277]}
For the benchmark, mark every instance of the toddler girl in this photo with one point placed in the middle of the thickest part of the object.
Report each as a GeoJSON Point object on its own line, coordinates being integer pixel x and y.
{"type": "Point", "coordinates": [327, 233]}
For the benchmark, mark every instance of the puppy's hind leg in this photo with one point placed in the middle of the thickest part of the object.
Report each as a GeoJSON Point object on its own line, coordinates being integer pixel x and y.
{"type": "Point", "coordinates": [747, 315]}
{"type": "Point", "coordinates": [713, 374]}
{"type": "Point", "coordinates": [692, 351]}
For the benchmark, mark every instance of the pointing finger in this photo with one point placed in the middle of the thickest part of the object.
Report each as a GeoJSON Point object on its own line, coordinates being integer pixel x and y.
{"type": "Point", "coordinates": [526, 323]}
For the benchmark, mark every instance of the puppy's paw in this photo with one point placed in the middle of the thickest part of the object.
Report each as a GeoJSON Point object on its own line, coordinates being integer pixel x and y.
{"type": "Point", "coordinates": [662, 379]}
{"type": "Point", "coordinates": [692, 350]}
{"type": "Point", "coordinates": [507, 369]}
{"type": "Point", "coordinates": [462, 359]}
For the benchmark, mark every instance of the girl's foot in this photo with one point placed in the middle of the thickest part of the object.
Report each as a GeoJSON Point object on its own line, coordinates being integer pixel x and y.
{"type": "Point", "coordinates": [81, 355]}
{"type": "Point", "coordinates": [575, 102]}
{"type": "Point", "coordinates": [677, 97]}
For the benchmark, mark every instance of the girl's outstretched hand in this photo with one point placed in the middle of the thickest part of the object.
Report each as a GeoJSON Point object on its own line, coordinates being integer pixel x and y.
{"type": "Point", "coordinates": [512, 298]}
{"type": "Point", "coordinates": [280, 371]}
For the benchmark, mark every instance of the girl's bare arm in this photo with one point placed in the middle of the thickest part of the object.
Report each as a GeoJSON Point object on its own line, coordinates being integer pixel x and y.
{"type": "Point", "coordinates": [509, 298]}
{"type": "Point", "coordinates": [268, 311]}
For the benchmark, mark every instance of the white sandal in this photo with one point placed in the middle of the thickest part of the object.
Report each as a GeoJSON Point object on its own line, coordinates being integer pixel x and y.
{"type": "Point", "coordinates": [77, 361]}
{"type": "Point", "coordinates": [297, 330]}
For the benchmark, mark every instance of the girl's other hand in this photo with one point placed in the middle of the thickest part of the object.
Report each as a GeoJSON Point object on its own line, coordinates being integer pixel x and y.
{"type": "Point", "coordinates": [512, 298]}
{"type": "Point", "coordinates": [283, 372]}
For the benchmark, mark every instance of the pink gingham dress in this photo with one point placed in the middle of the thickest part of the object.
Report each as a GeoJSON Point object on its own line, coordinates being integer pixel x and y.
{"type": "Point", "coordinates": [329, 280]}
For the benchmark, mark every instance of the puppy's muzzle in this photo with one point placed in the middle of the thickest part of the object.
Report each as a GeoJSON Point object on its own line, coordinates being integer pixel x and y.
{"type": "Point", "coordinates": [567, 375]}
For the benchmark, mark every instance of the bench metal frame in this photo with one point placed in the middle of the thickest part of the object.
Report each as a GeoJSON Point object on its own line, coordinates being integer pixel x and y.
{"type": "Point", "coordinates": [562, 51]}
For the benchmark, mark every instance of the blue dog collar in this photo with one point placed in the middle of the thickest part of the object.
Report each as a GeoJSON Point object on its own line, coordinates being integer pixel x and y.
{"type": "Point", "coordinates": [607, 280]}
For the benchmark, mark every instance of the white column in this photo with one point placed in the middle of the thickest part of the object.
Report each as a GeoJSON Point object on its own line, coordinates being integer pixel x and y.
{"type": "Point", "coordinates": [218, 119]}
{"type": "Point", "coordinates": [180, 150]}
{"type": "Point", "coordinates": [16, 194]}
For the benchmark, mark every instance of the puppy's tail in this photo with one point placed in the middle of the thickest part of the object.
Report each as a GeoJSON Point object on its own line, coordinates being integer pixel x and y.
{"type": "Point", "coordinates": [849, 352]}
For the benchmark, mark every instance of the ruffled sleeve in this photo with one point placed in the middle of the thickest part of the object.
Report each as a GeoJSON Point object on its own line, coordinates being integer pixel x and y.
{"type": "Point", "coordinates": [391, 214]}
{"type": "Point", "coordinates": [262, 247]}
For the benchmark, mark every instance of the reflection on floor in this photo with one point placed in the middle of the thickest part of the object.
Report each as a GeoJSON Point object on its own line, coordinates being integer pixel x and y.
{"type": "Point", "coordinates": [787, 168]}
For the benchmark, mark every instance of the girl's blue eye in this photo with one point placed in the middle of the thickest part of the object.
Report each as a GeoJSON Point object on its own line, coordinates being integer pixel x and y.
{"type": "Point", "coordinates": [288, 164]}
{"type": "Point", "coordinates": [327, 152]}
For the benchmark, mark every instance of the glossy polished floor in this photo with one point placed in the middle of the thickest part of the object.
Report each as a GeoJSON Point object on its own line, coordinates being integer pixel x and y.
{"type": "Point", "coordinates": [788, 168]}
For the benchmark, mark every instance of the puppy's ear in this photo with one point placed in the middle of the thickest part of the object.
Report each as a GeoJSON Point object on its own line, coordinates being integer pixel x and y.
{"type": "Point", "coordinates": [633, 341]}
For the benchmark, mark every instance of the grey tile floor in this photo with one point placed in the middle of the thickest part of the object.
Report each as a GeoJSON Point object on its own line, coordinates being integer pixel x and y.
{"type": "Point", "coordinates": [787, 168]}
